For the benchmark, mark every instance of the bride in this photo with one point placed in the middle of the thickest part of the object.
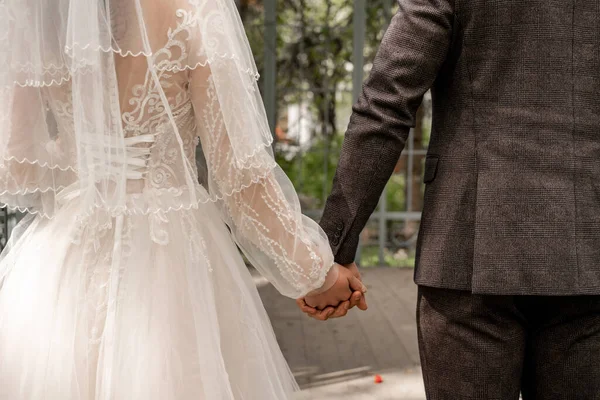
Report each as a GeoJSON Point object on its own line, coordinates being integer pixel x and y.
{"type": "Point", "coordinates": [124, 282]}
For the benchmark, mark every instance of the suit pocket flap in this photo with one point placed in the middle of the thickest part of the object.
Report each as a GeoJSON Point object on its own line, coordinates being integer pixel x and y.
{"type": "Point", "coordinates": [431, 163]}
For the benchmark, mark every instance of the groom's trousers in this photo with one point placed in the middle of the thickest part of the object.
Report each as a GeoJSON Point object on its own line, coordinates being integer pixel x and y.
{"type": "Point", "coordinates": [494, 347]}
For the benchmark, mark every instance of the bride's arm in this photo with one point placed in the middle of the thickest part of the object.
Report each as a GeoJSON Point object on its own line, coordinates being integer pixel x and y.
{"type": "Point", "coordinates": [260, 205]}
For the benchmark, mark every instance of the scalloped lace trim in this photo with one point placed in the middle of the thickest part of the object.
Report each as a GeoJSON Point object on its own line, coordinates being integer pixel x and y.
{"type": "Point", "coordinates": [28, 191]}
{"type": "Point", "coordinates": [243, 162]}
{"type": "Point", "coordinates": [127, 53]}
{"type": "Point", "coordinates": [68, 72]}
{"type": "Point", "coordinates": [37, 83]}
{"type": "Point", "coordinates": [39, 163]}
{"type": "Point", "coordinates": [248, 71]}
{"type": "Point", "coordinates": [124, 210]}
{"type": "Point", "coordinates": [25, 210]}
{"type": "Point", "coordinates": [49, 68]}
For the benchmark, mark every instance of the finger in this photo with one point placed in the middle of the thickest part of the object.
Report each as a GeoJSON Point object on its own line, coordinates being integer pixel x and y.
{"type": "Point", "coordinates": [340, 314]}
{"type": "Point", "coordinates": [355, 299]}
{"type": "Point", "coordinates": [362, 305]}
{"type": "Point", "coordinates": [323, 315]}
{"type": "Point", "coordinates": [341, 310]}
{"type": "Point", "coordinates": [328, 312]}
{"type": "Point", "coordinates": [305, 307]}
{"type": "Point", "coordinates": [318, 317]}
{"type": "Point", "coordinates": [324, 305]}
{"type": "Point", "coordinates": [316, 302]}
{"type": "Point", "coordinates": [356, 284]}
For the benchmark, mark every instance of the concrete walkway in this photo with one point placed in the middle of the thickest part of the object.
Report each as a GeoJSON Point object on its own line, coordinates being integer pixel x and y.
{"type": "Point", "coordinates": [338, 359]}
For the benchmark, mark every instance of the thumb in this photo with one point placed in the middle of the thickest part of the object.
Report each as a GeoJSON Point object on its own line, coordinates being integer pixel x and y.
{"type": "Point", "coordinates": [362, 304]}
{"type": "Point", "coordinates": [356, 284]}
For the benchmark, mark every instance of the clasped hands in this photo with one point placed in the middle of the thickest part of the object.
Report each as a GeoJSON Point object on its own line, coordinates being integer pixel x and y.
{"type": "Point", "coordinates": [348, 291]}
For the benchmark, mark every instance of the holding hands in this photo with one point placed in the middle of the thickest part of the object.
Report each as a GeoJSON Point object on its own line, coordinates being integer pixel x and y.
{"type": "Point", "coordinates": [347, 291]}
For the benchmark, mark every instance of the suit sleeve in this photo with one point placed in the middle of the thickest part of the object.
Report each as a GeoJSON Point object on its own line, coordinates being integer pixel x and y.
{"type": "Point", "coordinates": [412, 52]}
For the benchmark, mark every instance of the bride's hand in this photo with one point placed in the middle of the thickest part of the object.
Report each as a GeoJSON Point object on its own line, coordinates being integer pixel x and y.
{"type": "Point", "coordinates": [336, 299]}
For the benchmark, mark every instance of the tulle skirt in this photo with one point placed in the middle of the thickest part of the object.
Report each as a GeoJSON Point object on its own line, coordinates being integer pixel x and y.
{"type": "Point", "coordinates": [134, 307]}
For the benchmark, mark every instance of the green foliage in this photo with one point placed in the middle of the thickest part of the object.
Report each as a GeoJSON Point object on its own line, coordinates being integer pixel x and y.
{"type": "Point", "coordinates": [369, 257]}
{"type": "Point", "coordinates": [307, 170]}
{"type": "Point", "coordinates": [396, 193]}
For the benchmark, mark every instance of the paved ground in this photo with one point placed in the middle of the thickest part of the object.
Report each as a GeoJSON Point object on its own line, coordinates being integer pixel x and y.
{"type": "Point", "coordinates": [338, 359]}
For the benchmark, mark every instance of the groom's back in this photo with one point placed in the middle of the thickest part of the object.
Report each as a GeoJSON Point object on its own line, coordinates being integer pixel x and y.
{"type": "Point", "coordinates": [530, 70]}
{"type": "Point", "coordinates": [515, 151]}
{"type": "Point", "coordinates": [512, 197]}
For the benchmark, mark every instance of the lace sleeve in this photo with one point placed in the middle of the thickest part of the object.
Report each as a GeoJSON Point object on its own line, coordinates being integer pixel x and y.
{"type": "Point", "coordinates": [258, 202]}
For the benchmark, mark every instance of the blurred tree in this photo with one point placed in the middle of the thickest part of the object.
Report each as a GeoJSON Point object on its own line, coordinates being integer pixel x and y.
{"type": "Point", "coordinates": [314, 63]}
{"type": "Point", "coordinates": [314, 48]}
{"type": "Point", "coordinates": [310, 171]}
{"type": "Point", "coordinates": [315, 44]}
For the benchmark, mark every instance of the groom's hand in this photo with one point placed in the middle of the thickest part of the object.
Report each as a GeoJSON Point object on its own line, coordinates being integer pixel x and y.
{"type": "Point", "coordinates": [335, 303]}
{"type": "Point", "coordinates": [358, 298]}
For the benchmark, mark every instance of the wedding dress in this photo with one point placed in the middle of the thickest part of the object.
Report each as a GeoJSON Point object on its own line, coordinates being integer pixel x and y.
{"type": "Point", "coordinates": [125, 281]}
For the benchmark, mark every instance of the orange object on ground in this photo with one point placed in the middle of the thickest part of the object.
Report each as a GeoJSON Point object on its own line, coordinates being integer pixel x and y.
{"type": "Point", "coordinates": [378, 379]}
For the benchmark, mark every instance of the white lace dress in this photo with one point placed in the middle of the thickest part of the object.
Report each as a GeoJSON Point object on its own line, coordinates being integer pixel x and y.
{"type": "Point", "coordinates": [151, 301]}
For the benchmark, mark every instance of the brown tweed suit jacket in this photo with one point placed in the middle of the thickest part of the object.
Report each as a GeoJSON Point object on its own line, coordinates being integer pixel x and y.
{"type": "Point", "coordinates": [512, 198]}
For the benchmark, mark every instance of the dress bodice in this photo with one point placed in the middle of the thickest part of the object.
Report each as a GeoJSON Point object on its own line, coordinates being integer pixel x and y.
{"type": "Point", "coordinates": [153, 158]}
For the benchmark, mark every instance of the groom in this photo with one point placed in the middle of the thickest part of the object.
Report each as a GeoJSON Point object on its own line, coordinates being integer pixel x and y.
{"type": "Point", "coordinates": [508, 255]}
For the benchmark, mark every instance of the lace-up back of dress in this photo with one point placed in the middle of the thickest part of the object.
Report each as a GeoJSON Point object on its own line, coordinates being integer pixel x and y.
{"type": "Point", "coordinates": [153, 152]}
{"type": "Point", "coordinates": [145, 118]}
